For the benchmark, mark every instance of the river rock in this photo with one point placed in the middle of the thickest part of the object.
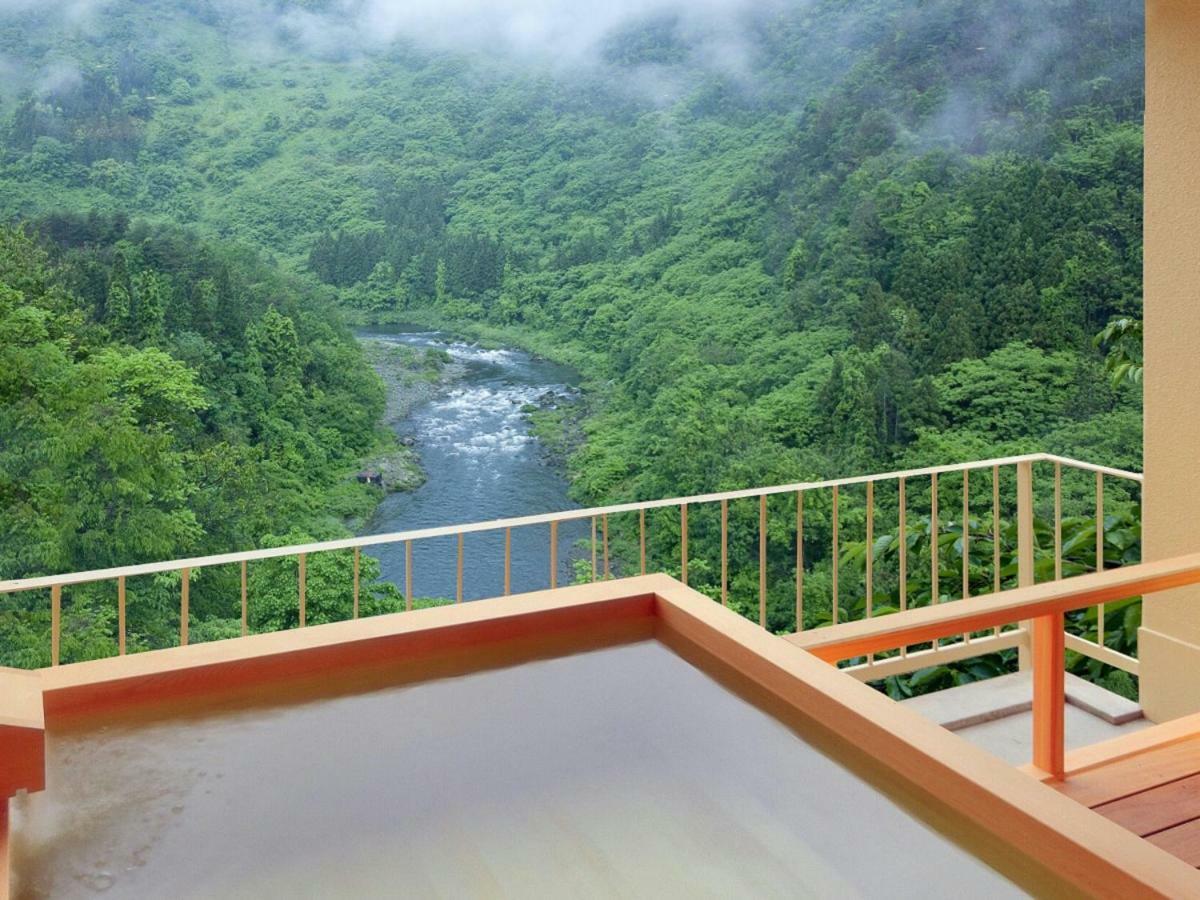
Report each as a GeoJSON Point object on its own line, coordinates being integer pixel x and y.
{"type": "Point", "coordinates": [407, 385]}
{"type": "Point", "coordinates": [399, 470]}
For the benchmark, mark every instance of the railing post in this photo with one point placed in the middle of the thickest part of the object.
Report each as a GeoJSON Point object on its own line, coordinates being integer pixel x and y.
{"type": "Point", "coordinates": [799, 561]}
{"type": "Point", "coordinates": [902, 528]}
{"type": "Point", "coordinates": [870, 561]}
{"type": "Point", "coordinates": [996, 537]}
{"type": "Point", "coordinates": [593, 548]}
{"type": "Point", "coordinates": [683, 542]}
{"type": "Point", "coordinates": [1025, 573]}
{"type": "Point", "coordinates": [245, 622]}
{"type": "Point", "coordinates": [508, 561]}
{"type": "Point", "coordinates": [1048, 693]}
{"type": "Point", "coordinates": [995, 530]}
{"type": "Point", "coordinates": [1057, 521]}
{"type": "Point", "coordinates": [458, 577]}
{"type": "Point", "coordinates": [935, 586]}
{"type": "Point", "coordinates": [966, 543]}
{"type": "Point", "coordinates": [408, 576]}
{"type": "Point", "coordinates": [303, 584]}
{"type": "Point", "coordinates": [966, 536]}
{"type": "Point", "coordinates": [762, 560]}
{"type": "Point", "coordinates": [55, 622]}
{"type": "Point", "coordinates": [604, 538]}
{"type": "Point", "coordinates": [642, 538]}
{"type": "Point", "coordinates": [835, 562]}
{"type": "Point", "coordinates": [357, 560]}
{"type": "Point", "coordinates": [724, 552]}
{"type": "Point", "coordinates": [1100, 551]}
{"type": "Point", "coordinates": [121, 615]}
{"type": "Point", "coordinates": [185, 587]}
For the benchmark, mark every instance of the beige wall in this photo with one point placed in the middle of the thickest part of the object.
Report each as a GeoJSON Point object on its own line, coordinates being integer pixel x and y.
{"type": "Point", "coordinates": [1169, 642]}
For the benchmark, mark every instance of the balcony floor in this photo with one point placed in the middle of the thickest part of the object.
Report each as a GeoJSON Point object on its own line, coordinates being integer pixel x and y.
{"type": "Point", "coordinates": [1152, 789]}
{"type": "Point", "coordinates": [997, 714]}
{"type": "Point", "coordinates": [1148, 783]}
{"type": "Point", "coordinates": [1010, 738]}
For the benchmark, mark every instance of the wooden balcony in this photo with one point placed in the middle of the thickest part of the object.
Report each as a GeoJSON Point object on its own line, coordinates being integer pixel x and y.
{"type": "Point", "coordinates": [809, 679]}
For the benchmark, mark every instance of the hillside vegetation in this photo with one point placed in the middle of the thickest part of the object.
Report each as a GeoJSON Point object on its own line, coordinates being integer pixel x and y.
{"type": "Point", "coordinates": [864, 234]}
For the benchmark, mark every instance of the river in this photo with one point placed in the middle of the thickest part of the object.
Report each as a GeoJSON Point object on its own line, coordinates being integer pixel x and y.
{"type": "Point", "coordinates": [481, 463]}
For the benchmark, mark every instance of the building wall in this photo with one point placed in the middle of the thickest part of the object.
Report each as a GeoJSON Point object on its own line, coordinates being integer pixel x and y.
{"type": "Point", "coordinates": [1169, 642]}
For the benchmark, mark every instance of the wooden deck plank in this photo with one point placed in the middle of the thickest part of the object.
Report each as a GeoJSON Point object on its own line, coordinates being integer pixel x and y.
{"type": "Point", "coordinates": [1182, 841]}
{"type": "Point", "coordinates": [1158, 808]}
{"type": "Point", "coordinates": [1133, 774]}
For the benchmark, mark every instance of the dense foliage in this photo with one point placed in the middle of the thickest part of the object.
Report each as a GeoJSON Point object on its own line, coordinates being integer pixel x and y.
{"type": "Point", "coordinates": [162, 397]}
{"type": "Point", "coordinates": [885, 235]}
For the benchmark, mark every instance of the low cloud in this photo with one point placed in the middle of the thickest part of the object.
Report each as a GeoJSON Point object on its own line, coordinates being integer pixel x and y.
{"type": "Point", "coordinates": [71, 11]}
{"type": "Point", "coordinates": [560, 34]}
{"type": "Point", "coordinates": [58, 77]}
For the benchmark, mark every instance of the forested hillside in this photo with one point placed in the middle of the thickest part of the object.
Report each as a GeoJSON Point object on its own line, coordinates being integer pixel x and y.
{"type": "Point", "coordinates": [780, 240]}
{"type": "Point", "coordinates": [800, 250]}
{"type": "Point", "coordinates": [161, 397]}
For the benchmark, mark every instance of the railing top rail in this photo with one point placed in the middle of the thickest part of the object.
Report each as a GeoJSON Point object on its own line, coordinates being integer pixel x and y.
{"type": "Point", "coordinates": [1092, 467]}
{"type": "Point", "coordinates": [928, 623]}
{"type": "Point", "coordinates": [199, 562]}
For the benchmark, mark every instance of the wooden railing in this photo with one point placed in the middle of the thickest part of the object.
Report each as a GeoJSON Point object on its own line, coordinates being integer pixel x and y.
{"type": "Point", "coordinates": [603, 565]}
{"type": "Point", "coordinates": [1016, 635]}
{"type": "Point", "coordinates": [1043, 604]}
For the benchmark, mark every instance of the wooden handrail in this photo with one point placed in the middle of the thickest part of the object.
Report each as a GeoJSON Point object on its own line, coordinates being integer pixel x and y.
{"type": "Point", "coordinates": [927, 623]}
{"type": "Point", "coordinates": [111, 574]}
{"type": "Point", "coordinates": [1043, 605]}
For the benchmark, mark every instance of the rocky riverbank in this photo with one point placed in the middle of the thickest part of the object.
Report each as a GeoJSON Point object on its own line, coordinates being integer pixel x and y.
{"type": "Point", "coordinates": [411, 377]}
{"type": "Point", "coordinates": [556, 420]}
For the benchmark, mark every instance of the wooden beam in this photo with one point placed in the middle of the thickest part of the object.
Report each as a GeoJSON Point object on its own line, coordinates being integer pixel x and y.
{"type": "Point", "coordinates": [391, 640]}
{"type": "Point", "coordinates": [1106, 655]}
{"type": "Point", "coordinates": [947, 653]}
{"type": "Point", "coordinates": [1034, 829]}
{"type": "Point", "coordinates": [923, 625]}
{"type": "Point", "coordinates": [1124, 746]}
{"type": "Point", "coordinates": [22, 733]}
{"type": "Point", "coordinates": [1049, 694]}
